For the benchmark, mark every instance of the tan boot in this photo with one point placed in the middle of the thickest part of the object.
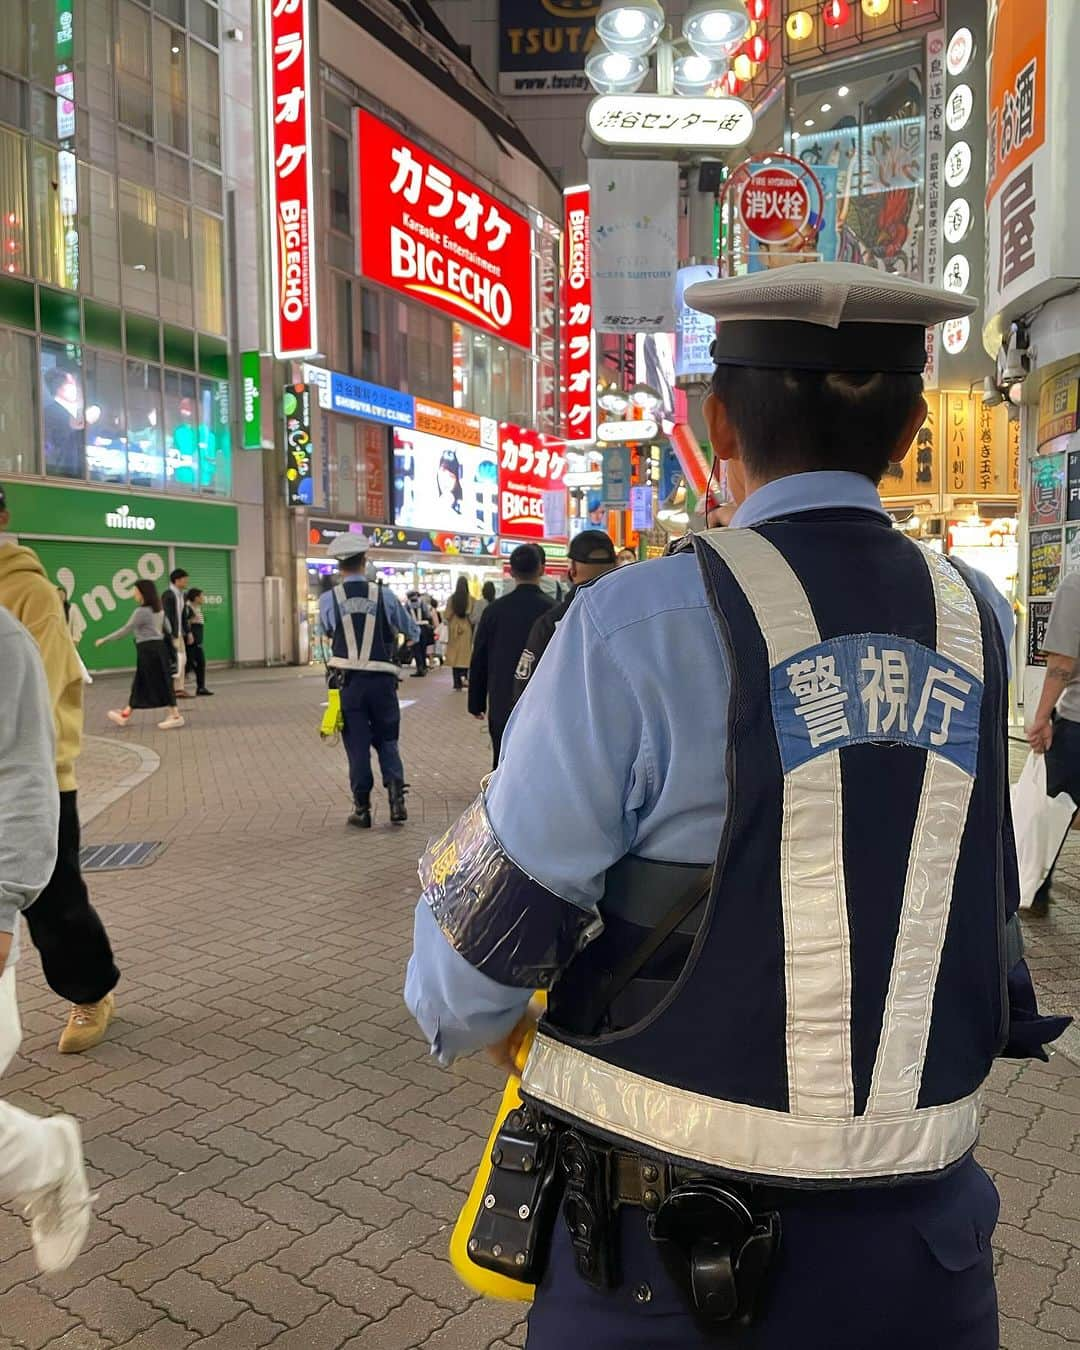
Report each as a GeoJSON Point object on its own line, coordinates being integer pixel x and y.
{"type": "Point", "coordinates": [87, 1025]}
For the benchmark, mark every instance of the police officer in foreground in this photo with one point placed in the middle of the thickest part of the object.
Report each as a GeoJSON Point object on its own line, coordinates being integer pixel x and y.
{"type": "Point", "coordinates": [591, 555]}
{"type": "Point", "coordinates": [757, 1115]}
{"type": "Point", "coordinates": [362, 621]}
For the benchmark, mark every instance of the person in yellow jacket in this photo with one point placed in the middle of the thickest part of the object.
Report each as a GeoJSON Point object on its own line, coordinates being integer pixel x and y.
{"type": "Point", "coordinates": [76, 956]}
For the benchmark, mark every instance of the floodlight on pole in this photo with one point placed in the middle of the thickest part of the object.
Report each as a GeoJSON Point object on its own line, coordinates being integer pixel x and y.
{"type": "Point", "coordinates": [631, 28]}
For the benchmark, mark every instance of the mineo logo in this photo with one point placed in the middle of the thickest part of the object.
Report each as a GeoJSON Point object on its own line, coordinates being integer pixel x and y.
{"type": "Point", "coordinates": [122, 519]}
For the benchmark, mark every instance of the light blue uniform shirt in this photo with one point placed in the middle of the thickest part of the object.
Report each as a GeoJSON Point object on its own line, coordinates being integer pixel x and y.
{"type": "Point", "coordinates": [634, 762]}
{"type": "Point", "coordinates": [400, 618]}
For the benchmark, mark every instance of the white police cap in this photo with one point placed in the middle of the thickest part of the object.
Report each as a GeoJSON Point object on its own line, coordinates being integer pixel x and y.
{"type": "Point", "coordinates": [348, 545]}
{"type": "Point", "coordinates": [825, 316]}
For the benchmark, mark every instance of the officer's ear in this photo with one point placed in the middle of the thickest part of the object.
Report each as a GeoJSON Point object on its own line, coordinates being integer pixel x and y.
{"type": "Point", "coordinates": [722, 438]}
{"type": "Point", "coordinates": [910, 431]}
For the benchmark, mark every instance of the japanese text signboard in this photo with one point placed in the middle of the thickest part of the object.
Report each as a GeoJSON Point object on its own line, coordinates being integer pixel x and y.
{"type": "Point", "coordinates": [670, 121]}
{"type": "Point", "coordinates": [531, 467]}
{"type": "Point", "coordinates": [1046, 503]}
{"type": "Point", "coordinates": [579, 343]}
{"type": "Point", "coordinates": [1044, 574]}
{"type": "Point", "coordinates": [543, 45]}
{"type": "Point", "coordinates": [774, 205]}
{"type": "Point", "coordinates": [430, 233]}
{"type": "Point", "coordinates": [1018, 169]}
{"type": "Point", "coordinates": [296, 406]}
{"type": "Point", "coordinates": [1059, 399]}
{"type": "Point", "coordinates": [290, 192]}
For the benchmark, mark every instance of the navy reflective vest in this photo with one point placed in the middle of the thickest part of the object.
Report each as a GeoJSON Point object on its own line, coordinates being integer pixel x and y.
{"type": "Point", "coordinates": [363, 638]}
{"type": "Point", "coordinates": [844, 997]}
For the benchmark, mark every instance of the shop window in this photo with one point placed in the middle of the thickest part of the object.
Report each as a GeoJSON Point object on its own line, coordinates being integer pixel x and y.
{"type": "Point", "coordinates": [170, 86]}
{"type": "Point", "coordinates": [343, 323]}
{"type": "Point", "coordinates": [181, 432]}
{"type": "Point", "coordinates": [170, 9]}
{"type": "Point", "coordinates": [13, 37]}
{"type": "Point", "coordinates": [370, 326]}
{"type": "Point", "coordinates": [138, 246]}
{"type": "Point", "coordinates": [18, 404]}
{"type": "Point", "coordinates": [480, 360]}
{"type": "Point", "coordinates": [94, 77]}
{"type": "Point", "coordinates": [134, 85]}
{"type": "Point", "coordinates": [519, 388]}
{"type": "Point", "coordinates": [173, 174]}
{"type": "Point", "coordinates": [14, 239]}
{"type": "Point", "coordinates": [338, 177]}
{"type": "Point", "coordinates": [135, 157]}
{"type": "Point", "coordinates": [63, 408]}
{"type": "Point", "coordinates": [174, 251]}
{"type": "Point", "coordinates": [500, 382]}
{"type": "Point", "coordinates": [206, 189]}
{"type": "Point", "coordinates": [106, 419]}
{"type": "Point", "coordinates": [13, 101]}
{"type": "Point", "coordinates": [337, 110]}
{"type": "Point", "coordinates": [54, 197]}
{"type": "Point", "coordinates": [867, 146]}
{"type": "Point", "coordinates": [205, 104]}
{"type": "Point", "coordinates": [209, 272]}
{"type": "Point", "coordinates": [99, 270]}
{"type": "Point", "coordinates": [344, 456]}
{"type": "Point", "coordinates": [215, 438]}
{"type": "Point", "coordinates": [203, 21]}
{"type": "Point", "coordinates": [146, 455]}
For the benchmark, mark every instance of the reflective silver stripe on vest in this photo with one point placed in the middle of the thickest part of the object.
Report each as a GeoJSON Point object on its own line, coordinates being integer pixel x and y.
{"type": "Point", "coordinates": [817, 944]}
{"type": "Point", "coordinates": [359, 654]}
{"type": "Point", "coordinates": [746, 1139]}
{"type": "Point", "coordinates": [932, 862]}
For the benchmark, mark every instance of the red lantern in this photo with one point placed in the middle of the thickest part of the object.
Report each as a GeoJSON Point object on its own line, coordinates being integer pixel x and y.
{"type": "Point", "coordinates": [759, 10]}
{"type": "Point", "coordinates": [836, 13]}
{"type": "Point", "coordinates": [759, 48]}
{"type": "Point", "coordinates": [730, 83]}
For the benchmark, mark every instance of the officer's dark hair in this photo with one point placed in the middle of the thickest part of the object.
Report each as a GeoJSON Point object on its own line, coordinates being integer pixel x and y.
{"type": "Point", "coordinates": [177, 574]}
{"type": "Point", "coordinates": [796, 421]}
{"type": "Point", "coordinates": [527, 562]}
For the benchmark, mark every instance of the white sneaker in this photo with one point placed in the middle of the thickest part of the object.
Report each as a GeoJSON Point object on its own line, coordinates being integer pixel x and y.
{"type": "Point", "coordinates": [118, 717]}
{"type": "Point", "coordinates": [171, 722]}
{"type": "Point", "coordinates": [60, 1214]}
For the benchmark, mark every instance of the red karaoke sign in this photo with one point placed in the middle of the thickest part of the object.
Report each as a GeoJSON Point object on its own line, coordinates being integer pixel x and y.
{"type": "Point", "coordinates": [530, 464]}
{"type": "Point", "coordinates": [291, 197]}
{"type": "Point", "coordinates": [431, 233]}
{"type": "Point", "coordinates": [579, 372]}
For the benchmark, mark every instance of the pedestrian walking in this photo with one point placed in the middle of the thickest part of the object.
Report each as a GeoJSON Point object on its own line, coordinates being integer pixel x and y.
{"type": "Point", "coordinates": [1055, 728]}
{"type": "Point", "coordinates": [424, 620]}
{"type": "Point", "coordinates": [152, 686]}
{"type": "Point", "coordinates": [756, 1105]}
{"type": "Point", "coordinates": [591, 556]}
{"type": "Point", "coordinates": [76, 956]}
{"type": "Point", "coordinates": [41, 1163]}
{"type": "Point", "coordinates": [178, 627]}
{"type": "Point", "coordinates": [363, 620]}
{"type": "Point", "coordinates": [196, 652]}
{"type": "Point", "coordinates": [459, 624]}
{"type": "Point", "coordinates": [500, 639]}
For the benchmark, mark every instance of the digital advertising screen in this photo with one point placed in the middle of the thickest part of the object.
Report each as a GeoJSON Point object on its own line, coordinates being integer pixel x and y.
{"type": "Point", "coordinates": [441, 484]}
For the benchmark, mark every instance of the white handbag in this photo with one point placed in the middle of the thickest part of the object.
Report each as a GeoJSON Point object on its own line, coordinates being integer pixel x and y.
{"type": "Point", "coordinates": [1041, 824]}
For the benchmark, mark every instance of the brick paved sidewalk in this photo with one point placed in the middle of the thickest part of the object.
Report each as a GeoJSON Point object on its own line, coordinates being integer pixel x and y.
{"type": "Point", "coordinates": [278, 1160]}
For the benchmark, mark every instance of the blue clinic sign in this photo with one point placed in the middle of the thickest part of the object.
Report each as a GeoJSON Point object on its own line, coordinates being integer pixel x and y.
{"type": "Point", "coordinates": [358, 398]}
{"type": "Point", "coordinates": [641, 507]}
{"type": "Point", "coordinates": [694, 331]}
{"type": "Point", "coordinates": [617, 471]}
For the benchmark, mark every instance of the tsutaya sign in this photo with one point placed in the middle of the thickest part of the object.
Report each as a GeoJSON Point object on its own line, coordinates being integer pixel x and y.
{"type": "Point", "coordinates": [431, 233]}
{"type": "Point", "coordinates": [290, 192]}
{"type": "Point", "coordinates": [670, 122]}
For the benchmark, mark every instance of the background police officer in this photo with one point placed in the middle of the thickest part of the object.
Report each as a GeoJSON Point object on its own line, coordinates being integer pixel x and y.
{"type": "Point", "coordinates": [816, 705]}
{"type": "Point", "coordinates": [362, 621]}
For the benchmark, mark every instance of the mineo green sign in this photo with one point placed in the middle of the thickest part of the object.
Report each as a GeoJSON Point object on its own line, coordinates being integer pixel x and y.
{"type": "Point", "coordinates": [93, 513]}
{"type": "Point", "coordinates": [251, 400]}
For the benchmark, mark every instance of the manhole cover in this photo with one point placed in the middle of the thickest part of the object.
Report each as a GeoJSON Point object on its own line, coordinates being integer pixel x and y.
{"type": "Point", "coordinates": [113, 857]}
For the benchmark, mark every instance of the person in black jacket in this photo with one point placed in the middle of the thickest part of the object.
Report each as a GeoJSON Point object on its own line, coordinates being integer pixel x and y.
{"type": "Point", "coordinates": [500, 639]}
{"type": "Point", "coordinates": [178, 617]}
{"type": "Point", "coordinates": [592, 554]}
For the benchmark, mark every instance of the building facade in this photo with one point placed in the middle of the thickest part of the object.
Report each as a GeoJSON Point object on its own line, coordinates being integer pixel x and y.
{"type": "Point", "coordinates": [117, 296]}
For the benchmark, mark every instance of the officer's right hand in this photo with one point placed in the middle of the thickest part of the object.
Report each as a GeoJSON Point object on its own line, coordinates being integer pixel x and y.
{"type": "Point", "coordinates": [1040, 735]}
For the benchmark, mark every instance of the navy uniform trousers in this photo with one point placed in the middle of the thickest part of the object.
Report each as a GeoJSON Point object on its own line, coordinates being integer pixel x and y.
{"type": "Point", "coordinates": [372, 717]}
{"type": "Point", "coordinates": [902, 1268]}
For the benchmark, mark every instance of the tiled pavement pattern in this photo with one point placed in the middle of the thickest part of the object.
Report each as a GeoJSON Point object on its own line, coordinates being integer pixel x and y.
{"type": "Point", "coordinates": [279, 1162]}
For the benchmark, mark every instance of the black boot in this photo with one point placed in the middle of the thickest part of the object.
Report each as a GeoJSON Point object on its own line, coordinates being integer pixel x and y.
{"type": "Point", "coordinates": [361, 816]}
{"type": "Point", "coordinates": [396, 793]}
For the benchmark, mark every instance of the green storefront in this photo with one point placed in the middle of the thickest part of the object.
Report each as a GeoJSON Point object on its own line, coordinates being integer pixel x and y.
{"type": "Point", "coordinates": [95, 544]}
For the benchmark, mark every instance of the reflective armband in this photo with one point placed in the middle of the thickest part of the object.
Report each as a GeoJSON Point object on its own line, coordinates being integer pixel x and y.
{"type": "Point", "coordinates": [502, 921]}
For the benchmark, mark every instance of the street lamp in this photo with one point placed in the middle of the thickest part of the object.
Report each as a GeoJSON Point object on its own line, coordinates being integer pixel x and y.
{"type": "Point", "coordinates": [711, 30]}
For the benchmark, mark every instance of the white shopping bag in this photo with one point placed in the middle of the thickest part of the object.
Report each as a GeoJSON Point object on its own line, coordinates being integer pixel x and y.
{"type": "Point", "coordinates": [1040, 823]}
